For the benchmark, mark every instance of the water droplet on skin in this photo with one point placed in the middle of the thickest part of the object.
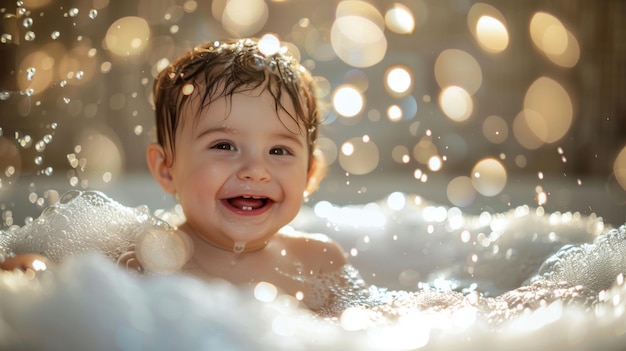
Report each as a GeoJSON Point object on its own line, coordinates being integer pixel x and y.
{"type": "Point", "coordinates": [4, 95]}
{"type": "Point", "coordinates": [239, 247]}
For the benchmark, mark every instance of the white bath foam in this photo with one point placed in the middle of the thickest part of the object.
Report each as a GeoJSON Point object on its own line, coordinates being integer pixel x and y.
{"type": "Point", "coordinates": [103, 305]}
{"type": "Point", "coordinates": [425, 242]}
{"type": "Point", "coordinates": [594, 265]}
{"type": "Point", "coordinates": [87, 221]}
{"type": "Point", "coordinates": [89, 303]}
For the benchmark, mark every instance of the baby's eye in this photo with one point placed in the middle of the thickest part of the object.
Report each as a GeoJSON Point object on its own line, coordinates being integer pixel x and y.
{"type": "Point", "coordinates": [224, 146]}
{"type": "Point", "coordinates": [280, 151]}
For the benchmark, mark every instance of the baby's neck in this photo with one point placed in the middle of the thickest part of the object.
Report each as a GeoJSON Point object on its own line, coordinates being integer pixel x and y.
{"type": "Point", "coordinates": [224, 245]}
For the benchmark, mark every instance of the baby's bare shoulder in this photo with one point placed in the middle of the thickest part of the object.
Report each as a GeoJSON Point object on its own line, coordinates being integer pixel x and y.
{"type": "Point", "coordinates": [317, 249]}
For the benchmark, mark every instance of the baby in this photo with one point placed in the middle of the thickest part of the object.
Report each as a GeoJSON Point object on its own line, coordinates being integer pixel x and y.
{"type": "Point", "coordinates": [236, 125]}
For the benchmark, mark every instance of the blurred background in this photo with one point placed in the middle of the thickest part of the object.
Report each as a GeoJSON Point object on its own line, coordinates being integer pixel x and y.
{"type": "Point", "coordinates": [484, 105]}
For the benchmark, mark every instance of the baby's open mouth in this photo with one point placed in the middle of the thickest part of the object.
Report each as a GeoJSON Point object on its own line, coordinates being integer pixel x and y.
{"type": "Point", "coordinates": [248, 203]}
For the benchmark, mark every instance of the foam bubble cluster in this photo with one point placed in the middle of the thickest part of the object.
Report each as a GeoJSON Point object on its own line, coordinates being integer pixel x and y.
{"type": "Point", "coordinates": [594, 265]}
{"type": "Point", "coordinates": [89, 221]}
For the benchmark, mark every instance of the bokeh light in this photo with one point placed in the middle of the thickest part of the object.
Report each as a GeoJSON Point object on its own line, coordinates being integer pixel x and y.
{"type": "Point", "coordinates": [269, 44]}
{"type": "Point", "coordinates": [398, 81]}
{"type": "Point", "coordinates": [424, 150]}
{"type": "Point", "coordinates": [244, 17]}
{"type": "Point", "coordinates": [100, 159]}
{"type": "Point", "coordinates": [357, 35]}
{"type": "Point", "coordinates": [42, 64]}
{"type": "Point", "coordinates": [489, 177]}
{"type": "Point", "coordinates": [461, 191]}
{"type": "Point", "coordinates": [489, 27]}
{"type": "Point", "coordinates": [550, 36]}
{"type": "Point", "coordinates": [10, 162]}
{"type": "Point", "coordinates": [619, 168]}
{"type": "Point", "coordinates": [127, 36]}
{"type": "Point", "coordinates": [552, 107]}
{"type": "Point", "coordinates": [492, 35]}
{"type": "Point", "coordinates": [456, 103]}
{"type": "Point", "coordinates": [328, 148]}
{"type": "Point", "coordinates": [348, 101]}
{"type": "Point", "coordinates": [495, 129]}
{"type": "Point", "coordinates": [399, 19]}
{"type": "Point", "coordinates": [400, 154]}
{"type": "Point", "coordinates": [359, 156]}
{"type": "Point", "coordinates": [394, 113]}
{"type": "Point", "coordinates": [455, 67]}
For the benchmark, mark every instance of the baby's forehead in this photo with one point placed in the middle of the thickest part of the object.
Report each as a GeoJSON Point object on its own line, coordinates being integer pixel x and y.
{"type": "Point", "coordinates": [216, 111]}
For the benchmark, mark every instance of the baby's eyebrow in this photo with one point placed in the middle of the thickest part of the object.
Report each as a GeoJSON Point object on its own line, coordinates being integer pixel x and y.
{"type": "Point", "coordinates": [290, 136]}
{"type": "Point", "coordinates": [214, 129]}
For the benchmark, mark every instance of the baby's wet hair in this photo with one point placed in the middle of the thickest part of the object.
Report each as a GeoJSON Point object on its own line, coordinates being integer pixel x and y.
{"type": "Point", "coordinates": [220, 69]}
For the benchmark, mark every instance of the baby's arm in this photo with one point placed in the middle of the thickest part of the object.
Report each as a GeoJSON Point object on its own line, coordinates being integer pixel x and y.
{"type": "Point", "coordinates": [24, 262]}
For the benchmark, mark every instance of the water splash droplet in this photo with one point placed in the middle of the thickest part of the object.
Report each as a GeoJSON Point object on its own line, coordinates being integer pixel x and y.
{"type": "Point", "coordinates": [29, 36]}
{"type": "Point", "coordinates": [239, 247]}
{"type": "Point", "coordinates": [27, 22]}
{"type": "Point", "coordinates": [93, 13]}
{"type": "Point", "coordinates": [40, 146]}
{"type": "Point", "coordinates": [6, 38]}
{"type": "Point", "coordinates": [30, 73]}
{"type": "Point", "coordinates": [73, 12]}
{"type": "Point", "coordinates": [55, 35]}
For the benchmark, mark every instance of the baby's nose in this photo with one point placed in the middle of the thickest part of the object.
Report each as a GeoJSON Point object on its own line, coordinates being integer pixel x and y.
{"type": "Point", "coordinates": [255, 169]}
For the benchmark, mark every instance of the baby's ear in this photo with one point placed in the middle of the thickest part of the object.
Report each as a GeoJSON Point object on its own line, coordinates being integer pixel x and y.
{"type": "Point", "coordinates": [157, 162]}
{"type": "Point", "coordinates": [317, 171]}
